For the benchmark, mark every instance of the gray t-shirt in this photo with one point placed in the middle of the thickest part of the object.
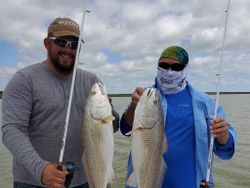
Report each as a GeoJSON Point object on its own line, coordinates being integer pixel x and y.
{"type": "Point", "coordinates": [34, 110]}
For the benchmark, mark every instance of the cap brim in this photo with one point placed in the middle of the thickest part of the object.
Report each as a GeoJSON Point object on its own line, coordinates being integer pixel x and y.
{"type": "Point", "coordinates": [62, 33]}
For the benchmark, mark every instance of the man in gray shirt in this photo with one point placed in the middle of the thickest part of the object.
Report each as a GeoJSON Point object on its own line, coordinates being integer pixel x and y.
{"type": "Point", "coordinates": [34, 109]}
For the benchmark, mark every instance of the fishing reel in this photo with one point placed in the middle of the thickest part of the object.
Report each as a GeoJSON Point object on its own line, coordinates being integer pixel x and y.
{"type": "Point", "coordinates": [70, 166]}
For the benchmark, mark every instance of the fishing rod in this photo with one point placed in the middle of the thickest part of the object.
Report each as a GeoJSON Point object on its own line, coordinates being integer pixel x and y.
{"type": "Point", "coordinates": [207, 184]}
{"type": "Point", "coordinates": [80, 41]}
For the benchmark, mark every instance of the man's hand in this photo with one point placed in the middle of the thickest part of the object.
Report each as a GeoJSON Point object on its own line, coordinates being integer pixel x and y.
{"type": "Point", "coordinates": [110, 100]}
{"type": "Point", "coordinates": [136, 96]}
{"type": "Point", "coordinates": [52, 177]}
{"type": "Point", "coordinates": [219, 129]}
{"type": "Point", "coordinates": [129, 114]}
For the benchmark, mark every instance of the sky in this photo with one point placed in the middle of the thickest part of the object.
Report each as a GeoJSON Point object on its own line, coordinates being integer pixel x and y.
{"type": "Point", "coordinates": [124, 39]}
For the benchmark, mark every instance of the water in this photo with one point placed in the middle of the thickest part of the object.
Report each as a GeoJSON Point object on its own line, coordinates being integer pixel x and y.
{"type": "Point", "coordinates": [227, 174]}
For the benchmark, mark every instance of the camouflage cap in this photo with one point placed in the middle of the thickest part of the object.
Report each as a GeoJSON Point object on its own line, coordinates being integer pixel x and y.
{"type": "Point", "coordinates": [177, 53]}
{"type": "Point", "coordinates": [63, 27]}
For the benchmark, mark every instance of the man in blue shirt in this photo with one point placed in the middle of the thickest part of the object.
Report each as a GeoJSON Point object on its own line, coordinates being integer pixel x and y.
{"type": "Point", "coordinates": [188, 123]}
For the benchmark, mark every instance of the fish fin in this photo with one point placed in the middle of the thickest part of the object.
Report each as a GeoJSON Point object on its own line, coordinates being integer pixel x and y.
{"type": "Point", "coordinates": [128, 133]}
{"type": "Point", "coordinates": [136, 129]}
{"type": "Point", "coordinates": [131, 181]}
{"type": "Point", "coordinates": [107, 118]}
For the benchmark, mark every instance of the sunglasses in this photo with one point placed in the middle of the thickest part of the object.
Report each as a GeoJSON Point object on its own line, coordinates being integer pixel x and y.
{"type": "Point", "coordinates": [63, 42]}
{"type": "Point", "coordinates": [174, 67]}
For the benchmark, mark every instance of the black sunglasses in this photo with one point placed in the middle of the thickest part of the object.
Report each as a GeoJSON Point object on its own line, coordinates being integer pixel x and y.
{"type": "Point", "coordinates": [174, 67]}
{"type": "Point", "coordinates": [63, 42]}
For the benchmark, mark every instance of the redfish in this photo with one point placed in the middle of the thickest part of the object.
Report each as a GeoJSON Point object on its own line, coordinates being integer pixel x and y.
{"type": "Point", "coordinates": [148, 142]}
{"type": "Point", "coordinates": [98, 138]}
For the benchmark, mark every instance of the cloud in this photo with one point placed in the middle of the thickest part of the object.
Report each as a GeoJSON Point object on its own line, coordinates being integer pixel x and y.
{"type": "Point", "coordinates": [123, 39]}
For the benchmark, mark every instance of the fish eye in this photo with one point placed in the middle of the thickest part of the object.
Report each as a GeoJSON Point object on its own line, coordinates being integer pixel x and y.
{"type": "Point", "coordinates": [155, 102]}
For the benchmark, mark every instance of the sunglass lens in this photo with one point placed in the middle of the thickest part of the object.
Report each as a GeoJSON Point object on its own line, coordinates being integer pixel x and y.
{"type": "Point", "coordinates": [74, 44]}
{"type": "Point", "coordinates": [177, 67]}
{"type": "Point", "coordinates": [164, 65]}
{"type": "Point", "coordinates": [60, 42]}
{"type": "Point", "coordinates": [174, 67]}
{"type": "Point", "coordinates": [63, 43]}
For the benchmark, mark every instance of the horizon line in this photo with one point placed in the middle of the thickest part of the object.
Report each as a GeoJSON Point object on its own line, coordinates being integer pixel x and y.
{"type": "Point", "coordinates": [130, 94]}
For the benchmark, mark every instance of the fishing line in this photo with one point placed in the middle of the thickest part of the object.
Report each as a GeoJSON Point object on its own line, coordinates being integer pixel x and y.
{"type": "Point", "coordinates": [80, 42]}
{"type": "Point", "coordinates": [218, 75]}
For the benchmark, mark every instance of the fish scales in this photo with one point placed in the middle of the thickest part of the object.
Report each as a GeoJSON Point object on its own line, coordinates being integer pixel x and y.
{"type": "Point", "coordinates": [148, 141]}
{"type": "Point", "coordinates": [98, 139]}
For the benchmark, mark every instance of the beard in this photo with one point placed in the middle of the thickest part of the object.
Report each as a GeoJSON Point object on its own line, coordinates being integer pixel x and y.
{"type": "Point", "coordinates": [63, 61]}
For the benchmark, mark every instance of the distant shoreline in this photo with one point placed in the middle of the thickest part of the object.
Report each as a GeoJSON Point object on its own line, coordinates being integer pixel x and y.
{"type": "Point", "coordinates": [129, 94]}
{"type": "Point", "coordinates": [209, 93]}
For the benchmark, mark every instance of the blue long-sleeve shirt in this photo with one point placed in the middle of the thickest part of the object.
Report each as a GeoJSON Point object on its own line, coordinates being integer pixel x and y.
{"type": "Point", "coordinates": [203, 109]}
